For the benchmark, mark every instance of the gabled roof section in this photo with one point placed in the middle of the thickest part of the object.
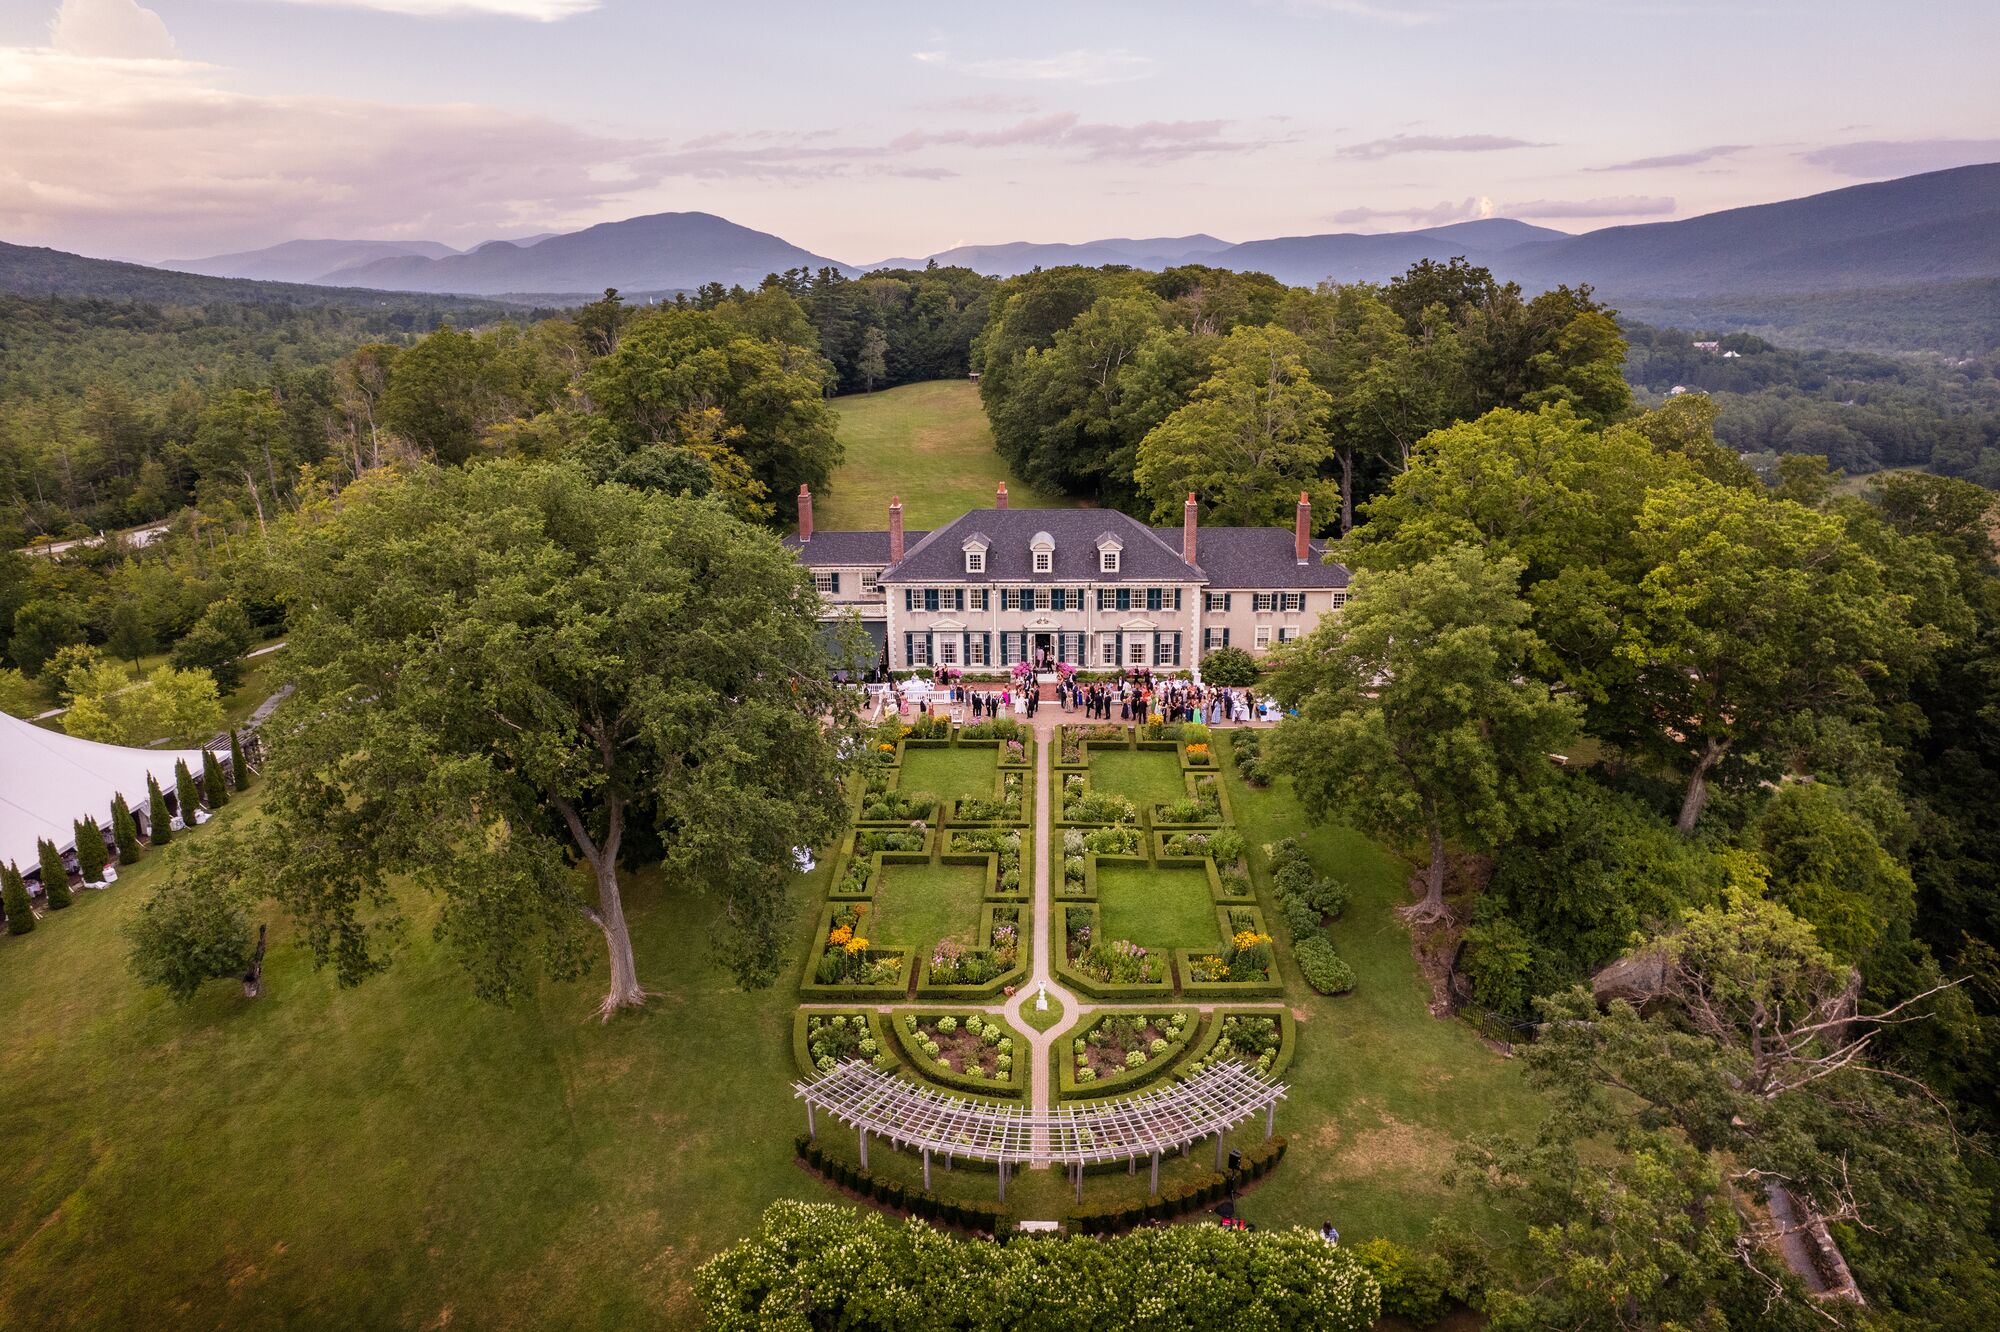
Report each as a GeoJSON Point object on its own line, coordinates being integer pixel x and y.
{"type": "Point", "coordinates": [845, 549]}
{"type": "Point", "coordinates": [1075, 533]}
{"type": "Point", "coordinates": [1260, 558]}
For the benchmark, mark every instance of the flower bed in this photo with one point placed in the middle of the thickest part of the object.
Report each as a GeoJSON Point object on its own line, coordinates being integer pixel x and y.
{"type": "Point", "coordinates": [1075, 738]}
{"type": "Point", "coordinates": [1009, 806]}
{"type": "Point", "coordinates": [865, 850]}
{"type": "Point", "coordinates": [1106, 968]}
{"type": "Point", "coordinates": [1121, 1051]}
{"type": "Point", "coordinates": [1224, 847]}
{"type": "Point", "coordinates": [1204, 804]}
{"type": "Point", "coordinates": [1265, 1039]}
{"type": "Point", "coordinates": [1002, 846]}
{"type": "Point", "coordinates": [1081, 849]}
{"type": "Point", "coordinates": [956, 971]}
{"type": "Point", "coordinates": [972, 1052]}
{"type": "Point", "coordinates": [1080, 804]}
{"type": "Point", "coordinates": [822, 1040]}
{"type": "Point", "coordinates": [846, 963]}
{"type": "Point", "coordinates": [1246, 964]}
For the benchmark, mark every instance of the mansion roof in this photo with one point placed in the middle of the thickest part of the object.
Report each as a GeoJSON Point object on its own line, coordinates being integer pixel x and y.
{"type": "Point", "coordinates": [1232, 557]}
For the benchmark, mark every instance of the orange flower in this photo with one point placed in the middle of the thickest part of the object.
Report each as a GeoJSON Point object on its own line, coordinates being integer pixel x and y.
{"type": "Point", "coordinates": [856, 945]}
{"type": "Point", "coordinates": [841, 934]}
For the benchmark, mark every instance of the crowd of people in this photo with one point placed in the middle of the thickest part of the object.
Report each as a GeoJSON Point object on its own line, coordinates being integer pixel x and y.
{"type": "Point", "coordinates": [1135, 696]}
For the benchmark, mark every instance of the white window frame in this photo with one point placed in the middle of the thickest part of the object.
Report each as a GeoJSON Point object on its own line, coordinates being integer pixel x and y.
{"type": "Point", "coordinates": [948, 650]}
{"type": "Point", "coordinates": [869, 587]}
{"type": "Point", "coordinates": [975, 561]}
{"type": "Point", "coordinates": [1135, 651]}
{"type": "Point", "coordinates": [1107, 561]}
{"type": "Point", "coordinates": [823, 582]}
{"type": "Point", "coordinates": [1043, 599]}
{"type": "Point", "coordinates": [1211, 639]}
{"type": "Point", "coordinates": [1263, 639]}
{"type": "Point", "coordinates": [1340, 599]}
{"type": "Point", "coordinates": [1287, 632]}
{"type": "Point", "coordinates": [920, 650]}
{"type": "Point", "coordinates": [1110, 653]}
{"type": "Point", "coordinates": [1045, 561]}
{"type": "Point", "coordinates": [975, 650]}
{"type": "Point", "coordinates": [1291, 602]}
{"type": "Point", "coordinates": [1263, 602]}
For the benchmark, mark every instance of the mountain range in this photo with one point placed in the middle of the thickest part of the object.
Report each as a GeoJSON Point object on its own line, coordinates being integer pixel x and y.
{"type": "Point", "coordinates": [1927, 245]}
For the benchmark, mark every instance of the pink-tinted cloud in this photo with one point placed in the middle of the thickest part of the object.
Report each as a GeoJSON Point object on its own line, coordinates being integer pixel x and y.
{"type": "Point", "coordinates": [1397, 144]}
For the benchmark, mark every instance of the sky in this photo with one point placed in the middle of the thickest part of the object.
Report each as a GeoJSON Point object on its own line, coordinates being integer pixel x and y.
{"type": "Point", "coordinates": [870, 129]}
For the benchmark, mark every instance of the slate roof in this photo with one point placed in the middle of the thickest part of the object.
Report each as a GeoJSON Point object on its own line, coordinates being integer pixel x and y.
{"type": "Point", "coordinates": [1145, 557]}
{"type": "Point", "coordinates": [846, 549]}
{"type": "Point", "coordinates": [1259, 558]}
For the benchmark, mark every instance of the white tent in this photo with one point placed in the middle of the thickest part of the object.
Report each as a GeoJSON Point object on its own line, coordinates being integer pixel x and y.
{"type": "Point", "coordinates": [48, 780]}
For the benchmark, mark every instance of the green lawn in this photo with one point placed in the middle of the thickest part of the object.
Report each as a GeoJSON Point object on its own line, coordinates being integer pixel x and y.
{"type": "Point", "coordinates": [1142, 776]}
{"type": "Point", "coordinates": [1155, 907]}
{"type": "Point", "coordinates": [929, 444]}
{"type": "Point", "coordinates": [1382, 1093]}
{"type": "Point", "coordinates": [916, 905]}
{"type": "Point", "coordinates": [950, 773]}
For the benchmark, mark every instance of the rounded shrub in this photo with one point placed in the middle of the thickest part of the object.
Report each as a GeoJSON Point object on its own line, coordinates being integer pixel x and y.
{"type": "Point", "coordinates": [1324, 969]}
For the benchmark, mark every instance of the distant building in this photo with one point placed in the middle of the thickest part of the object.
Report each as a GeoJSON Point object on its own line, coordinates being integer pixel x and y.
{"type": "Point", "coordinates": [1731, 355]}
{"type": "Point", "coordinates": [1710, 347]}
{"type": "Point", "coordinates": [1094, 588]}
{"type": "Point", "coordinates": [1677, 390]}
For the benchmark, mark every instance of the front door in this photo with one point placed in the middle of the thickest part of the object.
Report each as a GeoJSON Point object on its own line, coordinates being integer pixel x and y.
{"type": "Point", "coordinates": [1045, 652]}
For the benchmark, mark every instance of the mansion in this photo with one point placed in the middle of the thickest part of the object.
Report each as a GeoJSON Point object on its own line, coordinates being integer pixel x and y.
{"type": "Point", "coordinates": [1091, 587]}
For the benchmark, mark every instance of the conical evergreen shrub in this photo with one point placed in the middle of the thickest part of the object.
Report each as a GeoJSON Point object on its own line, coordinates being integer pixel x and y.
{"type": "Point", "coordinates": [55, 875]}
{"type": "Point", "coordinates": [239, 771]}
{"type": "Point", "coordinates": [186, 794]}
{"type": "Point", "coordinates": [14, 896]}
{"type": "Point", "coordinates": [159, 823]}
{"type": "Point", "coordinates": [125, 831]}
{"type": "Point", "coordinates": [214, 790]}
{"type": "Point", "coordinates": [90, 850]}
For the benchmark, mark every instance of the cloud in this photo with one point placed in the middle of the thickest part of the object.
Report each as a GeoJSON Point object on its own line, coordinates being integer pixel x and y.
{"type": "Point", "coordinates": [1879, 158]}
{"type": "Point", "coordinates": [1694, 158]}
{"type": "Point", "coordinates": [124, 153]}
{"type": "Point", "coordinates": [119, 29]}
{"type": "Point", "coordinates": [1155, 139]}
{"type": "Point", "coordinates": [998, 104]}
{"type": "Point", "coordinates": [1435, 143]}
{"type": "Point", "coordinates": [539, 11]}
{"type": "Point", "coordinates": [1623, 205]}
{"type": "Point", "coordinates": [1436, 215]}
{"type": "Point", "coordinates": [1078, 66]}
{"type": "Point", "coordinates": [1399, 14]}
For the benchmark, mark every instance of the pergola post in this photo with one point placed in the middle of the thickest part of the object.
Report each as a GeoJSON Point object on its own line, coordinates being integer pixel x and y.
{"type": "Point", "coordinates": [1003, 1179]}
{"type": "Point", "coordinates": [1131, 1165]}
{"type": "Point", "coordinates": [864, 1149]}
{"type": "Point", "coordinates": [1270, 1120]}
{"type": "Point", "coordinates": [1156, 1175]}
{"type": "Point", "coordinates": [927, 1172]}
{"type": "Point", "coordinates": [812, 1131]}
{"type": "Point", "coordinates": [1218, 1150]}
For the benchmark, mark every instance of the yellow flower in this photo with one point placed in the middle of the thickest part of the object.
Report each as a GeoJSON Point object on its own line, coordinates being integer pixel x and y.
{"type": "Point", "coordinates": [1250, 939]}
{"type": "Point", "coordinates": [856, 945]}
{"type": "Point", "coordinates": [888, 749]}
{"type": "Point", "coordinates": [841, 934]}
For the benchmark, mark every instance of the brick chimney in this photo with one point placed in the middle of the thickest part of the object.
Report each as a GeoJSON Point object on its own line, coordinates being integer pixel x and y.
{"type": "Point", "coordinates": [895, 529]}
{"type": "Point", "coordinates": [1187, 529]}
{"type": "Point", "coordinates": [1302, 542]}
{"type": "Point", "coordinates": [1000, 500]}
{"type": "Point", "coordinates": [805, 515]}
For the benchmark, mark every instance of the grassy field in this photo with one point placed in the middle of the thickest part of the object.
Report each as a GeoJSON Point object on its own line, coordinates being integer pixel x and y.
{"type": "Point", "coordinates": [950, 774]}
{"type": "Point", "coordinates": [928, 443]}
{"type": "Point", "coordinates": [402, 1155]}
{"type": "Point", "coordinates": [916, 905]}
{"type": "Point", "coordinates": [1142, 777]}
{"type": "Point", "coordinates": [1157, 908]}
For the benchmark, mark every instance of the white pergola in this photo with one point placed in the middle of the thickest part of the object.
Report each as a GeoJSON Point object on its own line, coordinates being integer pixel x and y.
{"type": "Point", "coordinates": [936, 1123]}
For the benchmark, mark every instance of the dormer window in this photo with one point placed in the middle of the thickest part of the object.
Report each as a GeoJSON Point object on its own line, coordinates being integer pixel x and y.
{"type": "Point", "coordinates": [975, 552]}
{"type": "Point", "coordinates": [1044, 548]}
{"type": "Point", "coordinates": [1108, 547]}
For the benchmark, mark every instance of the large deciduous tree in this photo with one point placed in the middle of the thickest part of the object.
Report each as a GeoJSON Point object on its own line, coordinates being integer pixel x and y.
{"type": "Point", "coordinates": [506, 670]}
{"type": "Point", "coordinates": [1752, 612]}
{"type": "Point", "coordinates": [1417, 718]}
{"type": "Point", "coordinates": [1252, 436]}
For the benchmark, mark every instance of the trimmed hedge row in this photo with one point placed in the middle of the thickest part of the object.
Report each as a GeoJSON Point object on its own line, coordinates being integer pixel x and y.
{"type": "Point", "coordinates": [1116, 1218]}
{"type": "Point", "coordinates": [1156, 1067]}
{"type": "Point", "coordinates": [985, 1218]}
{"type": "Point", "coordinates": [1288, 1037]}
{"type": "Point", "coordinates": [802, 1051]}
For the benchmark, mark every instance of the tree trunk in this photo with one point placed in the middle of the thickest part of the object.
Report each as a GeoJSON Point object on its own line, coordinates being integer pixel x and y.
{"type": "Point", "coordinates": [625, 991]}
{"type": "Point", "coordinates": [1346, 491]}
{"type": "Point", "coordinates": [1696, 798]}
{"type": "Point", "coordinates": [1432, 907]}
